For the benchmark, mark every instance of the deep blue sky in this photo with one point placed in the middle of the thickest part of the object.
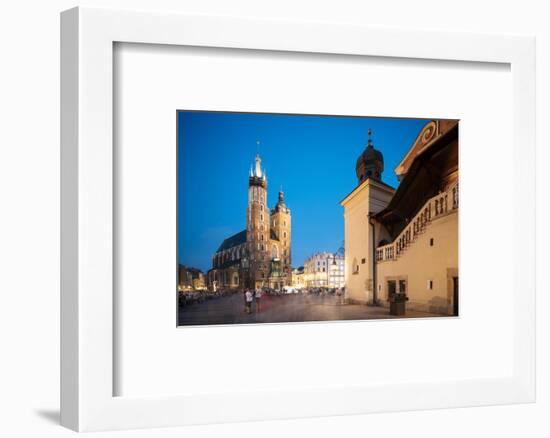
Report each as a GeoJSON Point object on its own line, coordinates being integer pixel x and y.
{"type": "Point", "coordinates": [312, 157]}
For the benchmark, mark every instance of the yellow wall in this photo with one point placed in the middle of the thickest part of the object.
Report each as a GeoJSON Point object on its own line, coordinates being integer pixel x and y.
{"type": "Point", "coordinates": [369, 197]}
{"type": "Point", "coordinates": [421, 262]}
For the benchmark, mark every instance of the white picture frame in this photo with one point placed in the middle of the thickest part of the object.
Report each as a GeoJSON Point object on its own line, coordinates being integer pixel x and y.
{"type": "Point", "coordinates": [87, 344]}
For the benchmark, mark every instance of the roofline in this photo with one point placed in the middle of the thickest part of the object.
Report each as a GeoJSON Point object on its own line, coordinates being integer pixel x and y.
{"type": "Point", "coordinates": [427, 145]}
{"type": "Point", "coordinates": [359, 187]}
{"type": "Point", "coordinates": [405, 182]}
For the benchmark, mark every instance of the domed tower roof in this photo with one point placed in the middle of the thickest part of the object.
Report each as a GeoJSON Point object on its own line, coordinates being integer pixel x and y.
{"type": "Point", "coordinates": [370, 163]}
{"type": "Point", "coordinates": [281, 206]}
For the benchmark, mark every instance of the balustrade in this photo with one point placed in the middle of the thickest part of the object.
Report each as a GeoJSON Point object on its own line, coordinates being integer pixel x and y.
{"type": "Point", "coordinates": [419, 223]}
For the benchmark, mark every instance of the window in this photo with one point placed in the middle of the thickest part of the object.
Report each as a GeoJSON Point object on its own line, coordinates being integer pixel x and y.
{"type": "Point", "coordinates": [262, 217]}
{"type": "Point", "coordinates": [363, 261]}
{"type": "Point", "coordinates": [432, 241]}
{"type": "Point", "coordinates": [323, 269]}
{"type": "Point", "coordinates": [261, 208]}
{"type": "Point", "coordinates": [284, 234]}
{"type": "Point", "coordinates": [430, 284]}
{"type": "Point", "coordinates": [403, 286]}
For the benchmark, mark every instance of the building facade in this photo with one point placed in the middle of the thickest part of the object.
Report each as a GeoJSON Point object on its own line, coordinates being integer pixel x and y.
{"type": "Point", "coordinates": [190, 279]}
{"type": "Point", "coordinates": [298, 278]}
{"type": "Point", "coordinates": [259, 256]}
{"type": "Point", "coordinates": [405, 240]}
{"type": "Point", "coordinates": [324, 269]}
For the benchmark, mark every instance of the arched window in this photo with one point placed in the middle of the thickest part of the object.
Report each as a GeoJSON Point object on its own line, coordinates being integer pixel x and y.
{"type": "Point", "coordinates": [274, 252]}
{"type": "Point", "coordinates": [284, 234]}
{"type": "Point", "coordinates": [355, 266]}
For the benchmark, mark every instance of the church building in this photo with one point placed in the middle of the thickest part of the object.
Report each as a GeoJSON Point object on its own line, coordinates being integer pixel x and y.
{"type": "Point", "coordinates": [405, 240]}
{"type": "Point", "coordinates": [260, 255]}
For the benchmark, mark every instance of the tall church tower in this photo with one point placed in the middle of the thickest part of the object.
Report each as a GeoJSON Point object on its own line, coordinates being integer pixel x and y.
{"type": "Point", "coordinates": [282, 226]}
{"type": "Point", "coordinates": [257, 226]}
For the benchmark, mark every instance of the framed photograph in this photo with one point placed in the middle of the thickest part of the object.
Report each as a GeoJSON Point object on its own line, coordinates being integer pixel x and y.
{"type": "Point", "coordinates": [309, 262]}
{"type": "Point", "coordinates": [268, 219]}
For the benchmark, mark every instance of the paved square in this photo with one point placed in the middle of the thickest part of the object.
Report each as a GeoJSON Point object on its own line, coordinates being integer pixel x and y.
{"type": "Point", "coordinates": [282, 308]}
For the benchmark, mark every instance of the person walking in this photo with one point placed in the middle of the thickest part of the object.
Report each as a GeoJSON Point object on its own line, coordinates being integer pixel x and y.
{"type": "Point", "coordinates": [258, 296]}
{"type": "Point", "coordinates": [249, 298]}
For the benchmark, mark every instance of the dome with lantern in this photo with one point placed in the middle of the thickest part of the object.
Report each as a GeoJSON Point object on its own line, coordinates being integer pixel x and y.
{"type": "Point", "coordinates": [370, 163]}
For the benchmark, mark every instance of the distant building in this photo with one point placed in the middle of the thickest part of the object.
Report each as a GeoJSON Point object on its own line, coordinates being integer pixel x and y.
{"type": "Point", "coordinates": [190, 279]}
{"type": "Point", "coordinates": [324, 269]}
{"type": "Point", "coordinates": [298, 278]}
{"type": "Point", "coordinates": [406, 240]}
{"type": "Point", "coordinates": [260, 255]}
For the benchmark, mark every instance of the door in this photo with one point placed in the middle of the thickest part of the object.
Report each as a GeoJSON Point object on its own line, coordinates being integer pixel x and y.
{"type": "Point", "coordinates": [391, 288]}
{"type": "Point", "coordinates": [455, 296]}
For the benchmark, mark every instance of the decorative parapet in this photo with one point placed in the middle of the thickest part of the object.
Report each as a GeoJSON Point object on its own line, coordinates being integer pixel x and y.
{"type": "Point", "coordinates": [436, 207]}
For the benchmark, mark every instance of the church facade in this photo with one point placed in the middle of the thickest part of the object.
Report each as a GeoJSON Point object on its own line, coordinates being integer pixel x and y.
{"type": "Point", "coordinates": [260, 255]}
{"type": "Point", "coordinates": [405, 240]}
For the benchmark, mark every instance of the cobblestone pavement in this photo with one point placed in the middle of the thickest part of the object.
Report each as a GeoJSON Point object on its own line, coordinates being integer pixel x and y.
{"type": "Point", "coordinates": [284, 308]}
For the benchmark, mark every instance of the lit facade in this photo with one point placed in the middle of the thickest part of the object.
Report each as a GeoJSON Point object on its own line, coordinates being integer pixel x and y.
{"type": "Point", "coordinates": [298, 281]}
{"type": "Point", "coordinates": [405, 240]}
{"type": "Point", "coordinates": [259, 256]}
{"type": "Point", "coordinates": [324, 269]}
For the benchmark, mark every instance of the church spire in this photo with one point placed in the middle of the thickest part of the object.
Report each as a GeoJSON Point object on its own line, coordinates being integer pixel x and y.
{"type": "Point", "coordinates": [257, 174]}
{"type": "Point", "coordinates": [258, 168]}
{"type": "Point", "coordinates": [258, 171]}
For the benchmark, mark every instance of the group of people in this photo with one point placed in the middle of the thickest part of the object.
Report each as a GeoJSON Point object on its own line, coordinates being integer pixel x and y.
{"type": "Point", "coordinates": [249, 297]}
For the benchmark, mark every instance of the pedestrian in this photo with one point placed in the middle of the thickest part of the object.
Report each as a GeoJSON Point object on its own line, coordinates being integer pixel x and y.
{"type": "Point", "coordinates": [339, 295]}
{"type": "Point", "coordinates": [249, 297]}
{"type": "Point", "coordinates": [245, 303]}
{"type": "Point", "coordinates": [258, 296]}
